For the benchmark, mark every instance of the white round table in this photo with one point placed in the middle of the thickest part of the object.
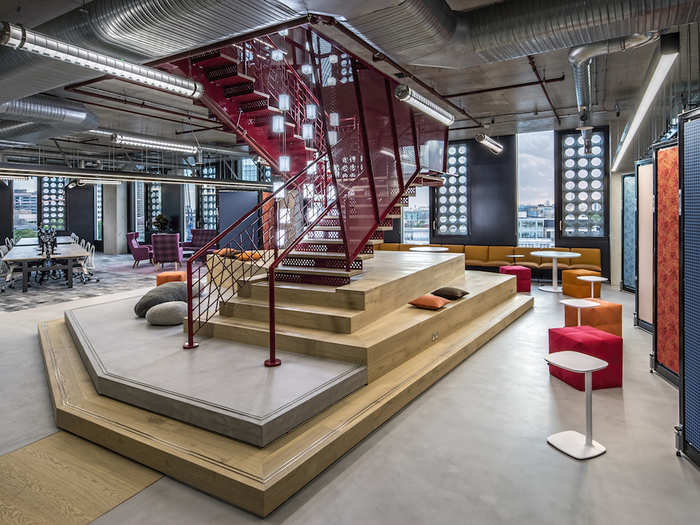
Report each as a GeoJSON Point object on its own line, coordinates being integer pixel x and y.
{"type": "Point", "coordinates": [571, 442]}
{"type": "Point", "coordinates": [592, 279]}
{"type": "Point", "coordinates": [555, 288]}
{"type": "Point", "coordinates": [432, 249]}
{"type": "Point", "coordinates": [579, 304]}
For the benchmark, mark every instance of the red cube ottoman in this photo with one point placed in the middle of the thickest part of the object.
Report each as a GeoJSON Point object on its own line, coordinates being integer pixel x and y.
{"type": "Point", "coordinates": [522, 276]}
{"type": "Point", "coordinates": [591, 341]}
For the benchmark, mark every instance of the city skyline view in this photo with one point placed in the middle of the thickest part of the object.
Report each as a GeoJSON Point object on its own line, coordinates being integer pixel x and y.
{"type": "Point", "coordinates": [535, 160]}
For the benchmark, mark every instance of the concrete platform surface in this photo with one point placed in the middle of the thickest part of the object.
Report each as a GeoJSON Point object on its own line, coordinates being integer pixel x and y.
{"type": "Point", "coordinates": [221, 386]}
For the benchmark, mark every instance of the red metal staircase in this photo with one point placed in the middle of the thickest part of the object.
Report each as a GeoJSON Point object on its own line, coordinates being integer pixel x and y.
{"type": "Point", "coordinates": [348, 154]}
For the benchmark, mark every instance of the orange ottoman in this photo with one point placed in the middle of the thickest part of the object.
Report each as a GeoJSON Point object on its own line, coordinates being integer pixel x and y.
{"type": "Point", "coordinates": [168, 277]}
{"type": "Point", "coordinates": [606, 317]}
{"type": "Point", "coordinates": [572, 287]}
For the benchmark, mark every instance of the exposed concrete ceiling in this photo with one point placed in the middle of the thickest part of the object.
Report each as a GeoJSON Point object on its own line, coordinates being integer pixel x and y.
{"type": "Point", "coordinates": [31, 13]}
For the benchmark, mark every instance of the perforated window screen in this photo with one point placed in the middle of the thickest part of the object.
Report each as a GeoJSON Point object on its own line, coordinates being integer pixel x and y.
{"type": "Point", "coordinates": [452, 206]}
{"type": "Point", "coordinates": [583, 186]}
{"type": "Point", "coordinates": [53, 202]}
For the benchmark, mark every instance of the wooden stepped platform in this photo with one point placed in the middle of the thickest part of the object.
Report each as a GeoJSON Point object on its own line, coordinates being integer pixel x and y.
{"type": "Point", "coordinates": [257, 479]}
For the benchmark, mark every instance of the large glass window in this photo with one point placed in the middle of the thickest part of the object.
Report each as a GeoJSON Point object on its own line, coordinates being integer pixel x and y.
{"type": "Point", "coordinates": [249, 170]}
{"type": "Point", "coordinates": [190, 209]}
{"type": "Point", "coordinates": [452, 198]}
{"type": "Point", "coordinates": [155, 205]}
{"type": "Point", "coordinates": [53, 202]}
{"type": "Point", "coordinates": [535, 157]}
{"type": "Point", "coordinates": [415, 218]}
{"type": "Point", "coordinates": [583, 186]}
{"type": "Point", "coordinates": [25, 207]}
{"type": "Point", "coordinates": [207, 205]}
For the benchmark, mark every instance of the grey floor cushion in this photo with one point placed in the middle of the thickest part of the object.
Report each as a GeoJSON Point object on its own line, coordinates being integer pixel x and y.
{"type": "Point", "coordinates": [167, 314]}
{"type": "Point", "coordinates": [175, 291]}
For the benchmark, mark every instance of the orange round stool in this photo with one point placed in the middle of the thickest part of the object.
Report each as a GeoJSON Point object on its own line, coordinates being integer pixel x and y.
{"type": "Point", "coordinates": [168, 277]}
{"type": "Point", "coordinates": [573, 287]}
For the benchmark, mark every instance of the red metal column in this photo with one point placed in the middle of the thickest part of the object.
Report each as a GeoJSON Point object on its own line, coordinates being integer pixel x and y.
{"type": "Point", "coordinates": [190, 343]}
{"type": "Point", "coordinates": [272, 361]}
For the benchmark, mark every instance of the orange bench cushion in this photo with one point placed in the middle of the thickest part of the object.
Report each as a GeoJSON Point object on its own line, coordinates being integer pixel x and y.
{"type": "Point", "coordinates": [589, 260]}
{"type": "Point", "coordinates": [498, 256]}
{"type": "Point", "coordinates": [606, 317]}
{"type": "Point", "coordinates": [573, 287]}
{"type": "Point", "coordinates": [168, 277]}
{"type": "Point", "coordinates": [476, 255]}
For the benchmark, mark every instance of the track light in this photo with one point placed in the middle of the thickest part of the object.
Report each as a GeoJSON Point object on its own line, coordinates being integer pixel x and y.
{"type": "Point", "coordinates": [668, 52]}
{"type": "Point", "coordinates": [150, 143]}
{"type": "Point", "coordinates": [421, 103]}
{"type": "Point", "coordinates": [493, 146]}
{"type": "Point", "coordinates": [18, 37]}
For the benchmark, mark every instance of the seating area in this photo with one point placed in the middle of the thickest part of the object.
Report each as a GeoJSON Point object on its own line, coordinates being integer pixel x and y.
{"type": "Point", "coordinates": [376, 263]}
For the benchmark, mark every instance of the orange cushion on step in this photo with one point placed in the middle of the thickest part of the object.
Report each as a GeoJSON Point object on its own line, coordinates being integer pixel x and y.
{"type": "Point", "coordinates": [227, 252]}
{"type": "Point", "coordinates": [168, 277]}
{"type": "Point", "coordinates": [429, 302]}
{"type": "Point", "coordinates": [249, 256]}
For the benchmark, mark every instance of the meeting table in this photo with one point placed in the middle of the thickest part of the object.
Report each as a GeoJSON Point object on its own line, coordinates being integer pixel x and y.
{"type": "Point", "coordinates": [554, 255]}
{"type": "Point", "coordinates": [29, 258]}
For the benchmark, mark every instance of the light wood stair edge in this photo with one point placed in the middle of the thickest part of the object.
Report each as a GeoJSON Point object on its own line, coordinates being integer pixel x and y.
{"type": "Point", "coordinates": [287, 468]}
{"type": "Point", "coordinates": [311, 270]}
{"type": "Point", "coordinates": [328, 255]}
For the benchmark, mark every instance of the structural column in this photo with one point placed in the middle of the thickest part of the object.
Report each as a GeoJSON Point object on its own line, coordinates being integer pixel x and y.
{"type": "Point", "coordinates": [115, 209]}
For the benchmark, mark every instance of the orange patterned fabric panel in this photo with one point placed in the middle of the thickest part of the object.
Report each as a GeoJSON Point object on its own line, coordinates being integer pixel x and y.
{"type": "Point", "coordinates": [667, 258]}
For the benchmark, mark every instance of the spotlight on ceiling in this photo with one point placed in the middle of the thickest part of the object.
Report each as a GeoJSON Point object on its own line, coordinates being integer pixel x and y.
{"type": "Point", "coordinates": [668, 52]}
{"type": "Point", "coordinates": [18, 37]}
{"type": "Point", "coordinates": [493, 146]}
{"type": "Point", "coordinates": [421, 103]}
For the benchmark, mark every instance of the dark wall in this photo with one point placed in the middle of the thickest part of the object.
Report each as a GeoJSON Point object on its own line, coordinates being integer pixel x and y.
{"type": "Point", "coordinates": [171, 205]}
{"type": "Point", "coordinates": [395, 234]}
{"type": "Point", "coordinates": [80, 205]}
{"type": "Point", "coordinates": [232, 206]}
{"type": "Point", "coordinates": [6, 210]}
{"type": "Point", "coordinates": [493, 196]}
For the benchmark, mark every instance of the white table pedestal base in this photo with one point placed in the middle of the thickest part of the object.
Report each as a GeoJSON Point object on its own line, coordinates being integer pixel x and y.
{"type": "Point", "coordinates": [550, 288]}
{"type": "Point", "coordinates": [573, 444]}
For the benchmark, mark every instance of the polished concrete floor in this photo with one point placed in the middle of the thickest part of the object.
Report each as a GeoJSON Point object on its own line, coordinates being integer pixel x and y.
{"type": "Point", "coordinates": [472, 449]}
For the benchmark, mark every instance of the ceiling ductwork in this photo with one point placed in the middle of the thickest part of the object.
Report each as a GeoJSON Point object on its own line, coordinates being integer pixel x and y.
{"type": "Point", "coordinates": [419, 32]}
{"type": "Point", "coordinates": [134, 30]}
{"type": "Point", "coordinates": [581, 60]}
{"type": "Point", "coordinates": [38, 117]}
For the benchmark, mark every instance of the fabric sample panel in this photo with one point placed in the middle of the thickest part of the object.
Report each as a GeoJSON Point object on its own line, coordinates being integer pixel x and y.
{"type": "Point", "coordinates": [645, 239]}
{"type": "Point", "coordinates": [629, 228]}
{"type": "Point", "coordinates": [691, 282]}
{"type": "Point", "coordinates": [667, 258]}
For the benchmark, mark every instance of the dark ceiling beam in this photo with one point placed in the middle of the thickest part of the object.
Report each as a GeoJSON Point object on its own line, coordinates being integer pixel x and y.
{"type": "Point", "coordinates": [531, 59]}
{"type": "Point", "coordinates": [503, 88]}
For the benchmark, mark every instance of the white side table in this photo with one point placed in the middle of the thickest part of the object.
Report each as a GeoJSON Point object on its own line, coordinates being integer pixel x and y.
{"type": "Point", "coordinates": [579, 304]}
{"type": "Point", "coordinates": [592, 279]}
{"type": "Point", "coordinates": [571, 442]}
{"type": "Point", "coordinates": [555, 288]}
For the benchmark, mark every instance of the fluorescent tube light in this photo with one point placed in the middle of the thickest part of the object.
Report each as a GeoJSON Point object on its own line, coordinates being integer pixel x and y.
{"type": "Point", "coordinates": [421, 103]}
{"type": "Point", "coordinates": [18, 37]}
{"type": "Point", "coordinates": [104, 182]}
{"type": "Point", "coordinates": [663, 66]}
{"type": "Point", "coordinates": [493, 146]}
{"type": "Point", "coordinates": [151, 143]}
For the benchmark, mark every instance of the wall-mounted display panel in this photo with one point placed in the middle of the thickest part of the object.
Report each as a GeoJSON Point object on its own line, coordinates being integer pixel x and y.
{"type": "Point", "coordinates": [645, 246]}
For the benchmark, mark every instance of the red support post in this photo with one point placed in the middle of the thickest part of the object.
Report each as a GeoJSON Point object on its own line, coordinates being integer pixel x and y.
{"type": "Point", "coordinates": [190, 343]}
{"type": "Point", "coordinates": [272, 361]}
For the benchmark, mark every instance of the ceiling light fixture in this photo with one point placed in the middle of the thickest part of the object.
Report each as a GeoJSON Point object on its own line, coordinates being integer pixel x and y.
{"type": "Point", "coordinates": [668, 52]}
{"type": "Point", "coordinates": [421, 103]}
{"type": "Point", "coordinates": [150, 143]}
{"type": "Point", "coordinates": [104, 182]}
{"type": "Point", "coordinates": [493, 146]}
{"type": "Point", "coordinates": [18, 37]}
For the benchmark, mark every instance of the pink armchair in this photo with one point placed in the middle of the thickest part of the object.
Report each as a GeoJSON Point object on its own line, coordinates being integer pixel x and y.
{"type": "Point", "coordinates": [140, 252]}
{"type": "Point", "coordinates": [166, 249]}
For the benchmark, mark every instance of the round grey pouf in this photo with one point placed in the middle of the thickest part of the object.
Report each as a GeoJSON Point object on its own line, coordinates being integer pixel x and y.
{"type": "Point", "coordinates": [174, 291]}
{"type": "Point", "coordinates": [167, 314]}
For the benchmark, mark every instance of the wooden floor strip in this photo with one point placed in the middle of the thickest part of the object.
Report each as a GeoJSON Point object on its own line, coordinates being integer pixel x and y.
{"type": "Point", "coordinates": [65, 479]}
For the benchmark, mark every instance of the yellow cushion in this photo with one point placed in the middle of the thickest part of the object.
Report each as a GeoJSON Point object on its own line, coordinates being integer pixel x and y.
{"type": "Point", "coordinates": [476, 253]}
{"type": "Point", "coordinates": [590, 258]}
{"type": "Point", "coordinates": [451, 248]}
{"type": "Point", "coordinates": [529, 261]}
{"type": "Point", "coordinates": [500, 253]}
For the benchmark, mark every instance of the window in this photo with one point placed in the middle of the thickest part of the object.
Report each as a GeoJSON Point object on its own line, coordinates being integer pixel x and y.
{"type": "Point", "coordinates": [25, 209]}
{"type": "Point", "coordinates": [536, 189]}
{"type": "Point", "coordinates": [140, 210]}
{"type": "Point", "coordinates": [249, 170]}
{"type": "Point", "coordinates": [583, 186]}
{"type": "Point", "coordinates": [53, 202]}
{"type": "Point", "coordinates": [452, 197]}
{"type": "Point", "coordinates": [207, 204]}
{"type": "Point", "coordinates": [415, 218]}
{"type": "Point", "coordinates": [155, 206]}
{"type": "Point", "coordinates": [98, 212]}
{"type": "Point", "coordinates": [189, 209]}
